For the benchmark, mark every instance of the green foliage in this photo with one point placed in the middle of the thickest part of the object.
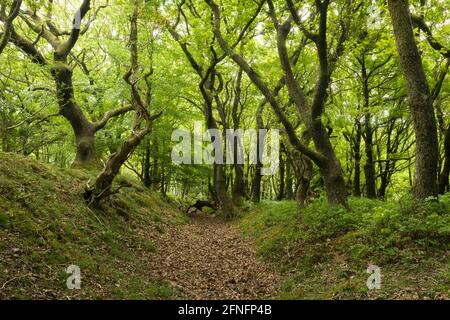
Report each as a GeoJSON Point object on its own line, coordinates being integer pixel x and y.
{"type": "Point", "coordinates": [321, 243]}
{"type": "Point", "coordinates": [47, 227]}
{"type": "Point", "coordinates": [425, 223]}
{"type": "Point", "coordinates": [274, 225]}
{"type": "Point", "coordinates": [41, 207]}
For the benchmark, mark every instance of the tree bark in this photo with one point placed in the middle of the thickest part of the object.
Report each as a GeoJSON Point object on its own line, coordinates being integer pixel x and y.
{"type": "Point", "coordinates": [221, 191]}
{"type": "Point", "coordinates": [238, 191]}
{"type": "Point", "coordinates": [281, 191]}
{"type": "Point", "coordinates": [444, 176]}
{"type": "Point", "coordinates": [220, 181]}
{"type": "Point", "coordinates": [103, 183]}
{"type": "Point", "coordinates": [420, 100]}
{"type": "Point", "coordinates": [238, 185]}
{"type": "Point", "coordinates": [369, 167]}
{"type": "Point", "coordinates": [289, 182]}
{"type": "Point", "coordinates": [142, 124]}
{"type": "Point", "coordinates": [8, 21]}
{"type": "Point", "coordinates": [147, 180]}
{"type": "Point", "coordinates": [83, 129]}
{"type": "Point", "coordinates": [357, 158]}
{"type": "Point", "coordinates": [305, 169]}
{"type": "Point", "coordinates": [256, 184]}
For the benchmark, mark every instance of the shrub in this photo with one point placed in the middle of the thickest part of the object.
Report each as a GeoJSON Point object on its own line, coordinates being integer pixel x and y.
{"type": "Point", "coordinates": [368, 227]}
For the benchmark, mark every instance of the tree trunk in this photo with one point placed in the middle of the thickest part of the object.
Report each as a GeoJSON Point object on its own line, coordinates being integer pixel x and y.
{"type": "Point", "coordinates": [8, 21]}
{"type": "Point", "coordinates": [256, 184]}
{"type": "Point", "coordinates": [330, 169]}
{"type": "Point", "coordinates": [221, 191]}
{"type": "Point", "coordinates": [239, 184]}
{"type": "Point", "coordinates": [301, 194]}
{"type": "Point", "coordinates": [444, 176]}
{"type": "Point", "coordinates": [83, 129]}
{"type": "Point", "coordinates": [238, 191]}
{"type": "Point", "coordinates": [384, 183]}
{"type": "Point", "coordinates": [385, 174]}
{"type": "Point", "coordinates": [163, 181]}
{"type": "Point", "coordinates": [369, 167]}
{"type": "Point", "coordinates": [142, 125]}
{"type": "Point", "coordinates": [238, 188]}
{"type": "Point", "coordinates": [220, 180]}
{"type": "Point", "coordinates": [357, 157]}
{"type": "Point", "coordinates": [211, 192]}
{"type": "Point", "coordinates": [334, 183]}
{"type": "Point", "coordinates": [421, 105]}
{"type": "Point", "coordinates": [289, 184]}
{"type": "Point", "coordinates": [280, 195]}
{"type": "Point", "coordinates": [303, 181]}
{"type": "Point", "coordinates": [146, 167]}
{"type": "Point", "coordinates": [103, 183]}
{"type": "Point", "coordinates": [303, 170]}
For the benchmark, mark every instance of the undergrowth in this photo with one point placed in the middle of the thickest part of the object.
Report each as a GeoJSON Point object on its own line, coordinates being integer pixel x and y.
{"type": "Point", "coordinates": [45, 226]}
{"type": "Point", "coordinates": [324, 251]}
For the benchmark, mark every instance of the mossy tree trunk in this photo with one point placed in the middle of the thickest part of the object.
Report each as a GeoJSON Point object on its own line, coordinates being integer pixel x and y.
{"type": "Point", "coordinates": [84, 129]}
{"type": "Point", "coordinates": [420, 101]}
{"type": "Point", "coordinates": [142, 124]}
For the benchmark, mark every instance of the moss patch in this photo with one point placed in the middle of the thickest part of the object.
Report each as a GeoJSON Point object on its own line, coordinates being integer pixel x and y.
{"type": "Point", "coordinates": [45, 226]}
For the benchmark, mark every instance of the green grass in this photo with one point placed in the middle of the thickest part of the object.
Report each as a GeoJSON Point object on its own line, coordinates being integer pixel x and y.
{"type": "Point", "coordinates": [323, 252]}
{"type": "Point", "coordinates": [45, 226]}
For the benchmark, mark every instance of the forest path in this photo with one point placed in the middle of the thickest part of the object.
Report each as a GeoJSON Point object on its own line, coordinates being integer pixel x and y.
{"type": "Point", "coordinates": [209, 259]}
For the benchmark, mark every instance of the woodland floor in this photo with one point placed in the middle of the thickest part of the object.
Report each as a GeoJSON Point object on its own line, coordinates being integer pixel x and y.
{"type": "Point", "coordinates": [160, 253]}
{"type": "Point", "coordinates": [208, 259]}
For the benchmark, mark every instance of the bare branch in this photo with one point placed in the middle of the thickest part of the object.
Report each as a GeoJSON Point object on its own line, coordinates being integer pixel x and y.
{"type": "Point", "coordinates": [109, 115]}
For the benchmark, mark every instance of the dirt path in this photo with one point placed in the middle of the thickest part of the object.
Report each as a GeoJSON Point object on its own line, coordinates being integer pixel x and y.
{"type": "Point", "coordinates": [209, 259]}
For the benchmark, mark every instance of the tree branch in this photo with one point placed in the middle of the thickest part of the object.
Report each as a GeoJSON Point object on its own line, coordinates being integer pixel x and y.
{"type": "Point", "coordinates": [28, 47]}
{"type": "Point", "coordinates": [310, 35]}
{"type": "Point", "coordinates": [420, 23]}
{"type": "Point", "coordinates": [64, 49]}
{"type": "Point", "coordinates": [295, 92]}
{"type": "Point", "coordinates": [317, 157]}
{"type": "Point", "coordinates": [109, 115]}
{"type": "Point", "coordinates": [322, 52]}
{"type": "Point", "coordinates": [36, 24]}
{"type": "Point", "coordinates": [4, 38]}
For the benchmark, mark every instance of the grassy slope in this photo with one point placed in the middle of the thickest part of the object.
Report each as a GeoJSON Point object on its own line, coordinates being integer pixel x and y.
{"type": "Point", "coordinates": [45, 227]}
{"type": "Point", "coordinates": [324, 252]}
